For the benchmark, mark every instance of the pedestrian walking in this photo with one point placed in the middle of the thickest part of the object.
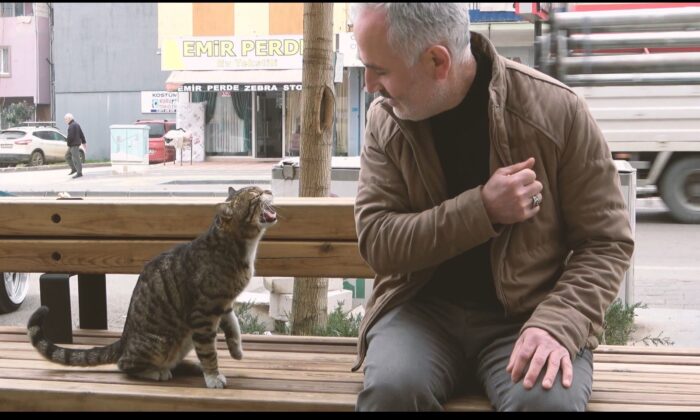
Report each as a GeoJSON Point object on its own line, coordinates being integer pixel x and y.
{"type": "Point", "coordinates": [74, 140]}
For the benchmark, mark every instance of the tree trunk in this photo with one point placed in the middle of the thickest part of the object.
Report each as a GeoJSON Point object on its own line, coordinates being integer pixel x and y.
{"type": "Point", "coordinates": [310, 299]}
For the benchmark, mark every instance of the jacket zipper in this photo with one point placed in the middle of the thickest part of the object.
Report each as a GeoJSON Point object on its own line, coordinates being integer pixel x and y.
{"type": "Point", "coordinates": [498, 273]}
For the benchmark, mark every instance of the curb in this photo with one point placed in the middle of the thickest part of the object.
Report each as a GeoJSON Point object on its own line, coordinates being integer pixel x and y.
{"type": "Point", "coordinates": [51, 167]}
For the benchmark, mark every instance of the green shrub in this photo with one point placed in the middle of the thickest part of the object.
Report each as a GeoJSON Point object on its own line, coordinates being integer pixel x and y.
{"type": "Point", "coordinates": [619, 323]}
{"type": "Point", "coordinates": [16, 113]}
{"type": "Point", "coordinates": [340, 324]}
{"type": "Point", "coordinates": [249, 322]}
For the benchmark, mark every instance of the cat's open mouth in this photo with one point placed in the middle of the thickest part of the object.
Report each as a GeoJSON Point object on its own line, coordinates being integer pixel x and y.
{"type": "Point", "coordinates": [268, 216]}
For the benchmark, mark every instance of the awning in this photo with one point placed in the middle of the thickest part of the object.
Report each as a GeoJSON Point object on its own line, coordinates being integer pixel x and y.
{"type": "Point", "coordinates": [233, 80]}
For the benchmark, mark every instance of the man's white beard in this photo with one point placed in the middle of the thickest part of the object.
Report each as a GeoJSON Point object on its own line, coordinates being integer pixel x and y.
{"type": "Point", "coordinates": [433, 104]}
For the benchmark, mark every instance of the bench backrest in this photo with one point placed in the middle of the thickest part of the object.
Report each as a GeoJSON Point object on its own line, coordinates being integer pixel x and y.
{"type": "Point", "coordinates": [314, 237]}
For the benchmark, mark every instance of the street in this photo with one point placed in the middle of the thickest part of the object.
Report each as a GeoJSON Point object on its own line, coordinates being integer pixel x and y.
{"type": "Point", "coordinates": [667, 268]}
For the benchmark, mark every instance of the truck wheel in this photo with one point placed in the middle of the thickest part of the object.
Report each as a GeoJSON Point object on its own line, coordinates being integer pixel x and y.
{"type": "Point", "coordinates": [680, 189]}
{"type": "Point", "coordinates": [13, 291]}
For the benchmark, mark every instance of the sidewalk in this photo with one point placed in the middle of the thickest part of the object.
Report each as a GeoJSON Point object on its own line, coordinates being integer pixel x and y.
{"type": "Point", "coordinates": [680, 326]}
{"type": "Point", "coordinates": [201, 179]}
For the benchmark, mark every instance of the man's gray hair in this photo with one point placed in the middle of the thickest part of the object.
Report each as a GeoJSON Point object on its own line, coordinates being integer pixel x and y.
{"type": "Point", "coordinates": [68, 116]}
{"type": "Point", "coordinates": [413, 27]}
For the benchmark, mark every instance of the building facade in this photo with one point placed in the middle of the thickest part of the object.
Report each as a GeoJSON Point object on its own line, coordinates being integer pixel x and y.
{"type": "Point", "coordinates": [244, 61]}
{"type": "Point", "coordinates": [107, 68]}
{"type": "Point", "coordinates": [24, 57]}
{"type": "Point", "coordinates": [239, 64]}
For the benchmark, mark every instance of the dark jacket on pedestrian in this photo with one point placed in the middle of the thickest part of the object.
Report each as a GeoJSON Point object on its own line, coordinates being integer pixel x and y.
{"type": "Point", "coordinates": [75, 134]}
{"type": "Point", "coordinates": [561, 269]}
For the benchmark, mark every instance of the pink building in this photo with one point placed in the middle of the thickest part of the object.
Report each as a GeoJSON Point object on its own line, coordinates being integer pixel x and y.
{"type": "Point", "coordinates": [25, 56]}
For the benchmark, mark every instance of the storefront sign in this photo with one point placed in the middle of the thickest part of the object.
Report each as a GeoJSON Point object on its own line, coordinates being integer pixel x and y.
{"type": "Point", "coordinates": [233, 53]}
{"type": "Point", "coordinates": [158, 102]}
{"type": "Point", "coordinates": [228, 87]}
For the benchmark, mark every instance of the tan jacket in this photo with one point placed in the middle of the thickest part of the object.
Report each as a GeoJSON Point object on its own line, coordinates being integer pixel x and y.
{"type": "Point", "coordinates": [564, 266]}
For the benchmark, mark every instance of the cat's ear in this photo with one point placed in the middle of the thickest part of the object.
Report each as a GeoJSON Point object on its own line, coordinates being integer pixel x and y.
{"type": "Point", "coordinates": [231, 192]}
{"type": "Point", "coordinates": [224, 211]}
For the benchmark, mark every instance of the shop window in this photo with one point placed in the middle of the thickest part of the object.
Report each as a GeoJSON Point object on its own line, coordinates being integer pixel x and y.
{"type": "Point", "coordinates": [292, 123]}
{"type": "Point", "coordinates": [340, 132]}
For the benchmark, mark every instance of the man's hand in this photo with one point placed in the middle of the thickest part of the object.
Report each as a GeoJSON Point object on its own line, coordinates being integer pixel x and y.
{"type": "Point", "coordinates": [536, 347]}
{"type": "Point", "coordinates": [508, 194]}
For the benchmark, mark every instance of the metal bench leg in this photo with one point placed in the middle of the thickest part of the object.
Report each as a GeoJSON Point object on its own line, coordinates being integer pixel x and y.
{"type": "Point", "coordinates": [92, 301]}
{"type": "Point", "coordinates": [54, 290]}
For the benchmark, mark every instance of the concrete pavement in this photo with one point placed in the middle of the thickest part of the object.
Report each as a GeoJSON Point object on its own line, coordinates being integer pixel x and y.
{"type": "Point", "coordinates": [205, 179]}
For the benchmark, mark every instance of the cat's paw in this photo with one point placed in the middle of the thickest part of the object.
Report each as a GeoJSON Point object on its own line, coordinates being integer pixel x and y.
{"type": "Point", "coordinates": [235, 349]}
{"type": "Point", "coordinates": [236, 353]}
{"type": "Point", "coordinates": [165, 375]}
{"type": "Point", "coordinates": [217, 381]}
{"type": "Point", "coordinates": [155, 374]}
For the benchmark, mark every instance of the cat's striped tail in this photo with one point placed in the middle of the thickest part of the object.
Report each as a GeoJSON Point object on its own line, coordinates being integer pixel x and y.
{"type": "Point", "coordinates": [71, 357]}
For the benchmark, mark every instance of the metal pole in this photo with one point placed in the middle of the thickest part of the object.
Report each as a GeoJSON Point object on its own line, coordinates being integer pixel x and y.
{"type": "Point", "coordinates": [624, 20]}
{"type": "Point", "coordinates": [640, 63]}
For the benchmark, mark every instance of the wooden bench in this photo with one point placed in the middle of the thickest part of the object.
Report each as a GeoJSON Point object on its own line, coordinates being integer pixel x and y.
{"type": "Point", "coordinates": [314, 237]}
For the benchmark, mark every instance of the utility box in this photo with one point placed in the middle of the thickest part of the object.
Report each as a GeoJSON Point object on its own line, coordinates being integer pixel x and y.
{"type": "Point", "coordinates": [628, 184]}
{"type": "Point", "coordinates": [345, 172]}
{"type": "Point", "coordinates": [129, 148]}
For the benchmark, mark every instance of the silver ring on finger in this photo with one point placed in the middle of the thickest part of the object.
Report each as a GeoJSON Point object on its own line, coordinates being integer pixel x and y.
{"type": "Point", "coordinates": [536, 200]}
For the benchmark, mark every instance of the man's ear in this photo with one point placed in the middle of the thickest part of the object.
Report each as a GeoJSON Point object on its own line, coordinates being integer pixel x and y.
{"type": "Point", "coordinates": [440, 60]}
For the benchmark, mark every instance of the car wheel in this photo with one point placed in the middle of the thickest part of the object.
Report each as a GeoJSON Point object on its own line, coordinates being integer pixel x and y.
{"type": "Point", "coordinates": [82, 156]}
{"type": "Point", "coordinates": [13, 291]}
{"type": "Point", "coordinates": [37, 158]}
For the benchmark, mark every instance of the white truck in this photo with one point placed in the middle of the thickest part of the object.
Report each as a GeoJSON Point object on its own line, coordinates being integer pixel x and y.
{"type": "Point", "coordinates": [639, 71]}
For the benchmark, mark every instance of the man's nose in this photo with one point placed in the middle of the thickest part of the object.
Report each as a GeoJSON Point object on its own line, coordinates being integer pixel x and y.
{"type": "Point", "coordinates": [371, 82]}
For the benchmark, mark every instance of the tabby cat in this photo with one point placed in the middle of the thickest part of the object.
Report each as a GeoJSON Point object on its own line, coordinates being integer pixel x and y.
{"type": "Point", "coordinates": [181, 298]}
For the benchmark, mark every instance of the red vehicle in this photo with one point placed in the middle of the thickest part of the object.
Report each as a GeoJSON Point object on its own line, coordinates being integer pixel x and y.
{"type": "Point", "coordinates": [159, 151]}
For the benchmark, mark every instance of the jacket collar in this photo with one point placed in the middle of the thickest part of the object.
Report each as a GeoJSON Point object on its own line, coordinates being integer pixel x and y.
{"type": "Point", "coordinates": [419, 135]}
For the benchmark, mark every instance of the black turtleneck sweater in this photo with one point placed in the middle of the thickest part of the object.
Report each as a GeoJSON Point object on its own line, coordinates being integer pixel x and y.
{"type": "Point", "coordinates": [461, 137]}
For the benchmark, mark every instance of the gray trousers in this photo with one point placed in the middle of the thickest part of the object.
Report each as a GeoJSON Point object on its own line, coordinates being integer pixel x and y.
{"type": "Point", "coordinates": [73, 158]}
{"type": "Point", "coordinates": [426, 351]}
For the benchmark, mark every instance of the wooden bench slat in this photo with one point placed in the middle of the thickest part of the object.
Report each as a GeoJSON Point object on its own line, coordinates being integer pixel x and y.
{"type": "Point", "coordinates": [274, 258]}
{"type": "Point", "coordinates": [655, 359]}
{"type": "Point", "coordinates": [644, 398]}
{"type": "Point", "coordinates": [253, 379]}
{"type": "Point", "coordinates": [642, 368]}
{"type": "Point", "coordinates": [350, 342]}
{"type": "Point", "coordinates": [660, 378]}
{"type": "Point", "coordinates": [224, 357]}
{"type": "Point", "coordinates": [641, 387]}
{"type": "Point", "coordinates": [673, 350]}
{"type": "Point", "coordinates": [298, 218]}
{"type": "Point", "coordinates": [68, 395]}
{"type": "Point", "coordinates": [598, 406]}
{"type": "Point", "coordinates": [282, 365]}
